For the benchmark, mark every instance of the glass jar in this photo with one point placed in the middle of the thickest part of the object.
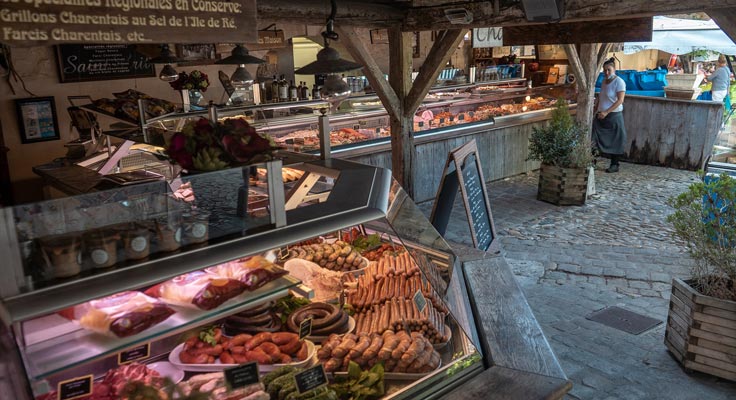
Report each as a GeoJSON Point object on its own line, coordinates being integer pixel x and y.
{"type": "Point", "coordinates": [101, 247]}
{"type": "Point", "coordinates": [168, 232]}
{"type": "Point", "coordinates": [136, 242]}
{"type": "Point", "coordinates": [196, 227]}
{"type": "Point", "coordinates": [63, 254]}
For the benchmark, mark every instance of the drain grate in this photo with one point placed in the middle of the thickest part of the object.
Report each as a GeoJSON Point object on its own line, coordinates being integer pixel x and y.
{"type": "Point", "coordinates": [623, 320]}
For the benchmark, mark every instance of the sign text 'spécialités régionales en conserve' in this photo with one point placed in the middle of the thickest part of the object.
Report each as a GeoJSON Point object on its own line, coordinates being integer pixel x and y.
{"type": "Point", "coordinates": [34, 22]}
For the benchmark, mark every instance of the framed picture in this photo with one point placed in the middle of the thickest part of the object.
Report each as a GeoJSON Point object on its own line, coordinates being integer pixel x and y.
{"type": "Point", "coordinates": [195, 52]}
{"type": "Point", "coordinates": [37, 119]}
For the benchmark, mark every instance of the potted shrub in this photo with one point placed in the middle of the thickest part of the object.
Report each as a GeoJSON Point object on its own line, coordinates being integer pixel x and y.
{"type": "Point", "coordinates": [701, 323]}
{"type": "Point", "coordinates": [564, 149]}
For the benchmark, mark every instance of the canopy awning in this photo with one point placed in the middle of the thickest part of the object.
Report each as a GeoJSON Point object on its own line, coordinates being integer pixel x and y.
{"type": "Point", "coordinates": [679, 36]}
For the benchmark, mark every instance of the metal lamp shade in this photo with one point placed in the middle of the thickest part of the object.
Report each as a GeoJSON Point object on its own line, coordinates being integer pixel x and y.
{"type": "Point", "coordinates": [166, 57]}
{"type": "Point", "coordinates": [240, 56]}
{"type": "Point", "coordinates": [241, 77]}
{"type": "Point", "coordinates": [168, 73]}
{"type": "Point", "coordinates": [328, 62]}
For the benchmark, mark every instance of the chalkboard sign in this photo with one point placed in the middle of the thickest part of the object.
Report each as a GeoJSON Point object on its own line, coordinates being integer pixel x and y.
{"type": "Point", "coordinates": [242, 375]}
{"type": "Point", "coordinates": [305, 328]}
{"type": "Point", "coordinates": [134, 354]}
{"type": "Point", "coordinates": [310, 379]}
{"type": "Point", "coordinates": [463, 171]}
{"type": "Point", "coordinates": [101, 62]}
{"type": "Point", "coordinates": [75, 388]}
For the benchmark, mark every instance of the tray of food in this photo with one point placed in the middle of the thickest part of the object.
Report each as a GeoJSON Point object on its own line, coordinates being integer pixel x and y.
{"type": "Point", "coordinates": [212, 351]}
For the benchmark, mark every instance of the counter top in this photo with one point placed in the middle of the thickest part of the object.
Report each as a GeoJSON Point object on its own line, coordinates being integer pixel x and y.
{"type": "Point", "coordinates": [69, 178]}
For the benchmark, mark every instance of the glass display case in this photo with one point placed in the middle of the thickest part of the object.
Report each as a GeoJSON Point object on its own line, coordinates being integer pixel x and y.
{"type": "Point", "coordinates": [118, 288]}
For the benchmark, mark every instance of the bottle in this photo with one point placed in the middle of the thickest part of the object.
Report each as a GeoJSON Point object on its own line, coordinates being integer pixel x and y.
{"type": "Point", "coordinates": [293, 93]}
{"type": "Point", "coordinates": [315, 93]}
{"type": "Point", "coordinates": [305, 91]}
{"type": "Point", "coordinates": [274, 90]}
{"type": "Point", "coordinates": [283, 90]}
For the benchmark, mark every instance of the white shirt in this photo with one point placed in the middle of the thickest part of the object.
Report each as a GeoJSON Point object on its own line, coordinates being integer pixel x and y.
{"type": "Point", "coordinates": [607, 96]}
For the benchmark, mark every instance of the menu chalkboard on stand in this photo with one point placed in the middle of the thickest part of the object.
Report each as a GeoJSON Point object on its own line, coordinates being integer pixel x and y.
{"type": "Point", "coordinates": [463, 171]}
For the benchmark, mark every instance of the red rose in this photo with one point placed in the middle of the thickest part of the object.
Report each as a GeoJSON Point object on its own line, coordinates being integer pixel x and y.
{"type": "Point", "coordinates": [178, 151]}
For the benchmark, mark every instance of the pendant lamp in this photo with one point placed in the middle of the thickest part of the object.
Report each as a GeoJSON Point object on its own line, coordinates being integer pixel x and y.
{"type": "Point", "coordinates": [239, 56]}
{"type": "Point", "coordinates": [329, 62]}
{"type": "Point", "coordinates": [168, 73]}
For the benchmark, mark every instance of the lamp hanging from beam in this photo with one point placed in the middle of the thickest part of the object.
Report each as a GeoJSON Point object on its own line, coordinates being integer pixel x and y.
{"type": "Point", "coordinates": [239, 56]}
{"type": "Point", "coordinates": [329, 62]}
{"type": "Point", "coordinates": [168, 73]}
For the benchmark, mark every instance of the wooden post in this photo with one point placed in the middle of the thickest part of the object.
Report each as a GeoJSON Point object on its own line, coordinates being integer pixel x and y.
{"type": "Point", "coordinates": [726, 20]}
{"type": "Point", "coordinates": [402, 139]}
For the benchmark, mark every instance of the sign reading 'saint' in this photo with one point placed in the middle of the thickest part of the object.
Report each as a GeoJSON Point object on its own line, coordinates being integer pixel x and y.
{"type": "Point", "coordinates": [39, 22]}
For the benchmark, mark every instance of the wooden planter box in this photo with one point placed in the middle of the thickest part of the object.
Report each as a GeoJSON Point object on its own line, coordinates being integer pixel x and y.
{"type": "Point", "coordinates": [701, 331]}
{"type": "Point", "coordinates": [562, 186]}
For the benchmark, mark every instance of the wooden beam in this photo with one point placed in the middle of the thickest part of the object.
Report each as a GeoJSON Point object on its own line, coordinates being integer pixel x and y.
{"type": "Point", "coordinates": [349, 13]}
{"type": "Point", "coordinates": [441, 51]}
{"type": "Point", "coordinates": [402, 125]}
{"type": "Point", "coordinates": [620, 30]}
{"type": "Point", "coordinates": [603, 53]}
{"type": "Point", "coordinates": [433, 17]}
{"type": "Point", "coordinates": [383, 89]}
{"type": "Point", "coordinates": [726, 20]}
{"type": "Point", "coordinates": [573, 58]}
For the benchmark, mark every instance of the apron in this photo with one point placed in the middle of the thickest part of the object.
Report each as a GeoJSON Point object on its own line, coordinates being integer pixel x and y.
{"type": "Point", "coordinates": [609, 134]}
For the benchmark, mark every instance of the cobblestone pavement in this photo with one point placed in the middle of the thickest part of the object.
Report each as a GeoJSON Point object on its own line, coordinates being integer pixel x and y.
{"type": "Point", "coordinates": [617, 250]}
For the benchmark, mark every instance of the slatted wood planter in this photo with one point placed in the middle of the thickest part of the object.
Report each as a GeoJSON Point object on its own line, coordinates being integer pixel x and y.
{"type": "Point", "coordinates": [562, 186]}
{"type": "Point", "coordinates": [701, 331]}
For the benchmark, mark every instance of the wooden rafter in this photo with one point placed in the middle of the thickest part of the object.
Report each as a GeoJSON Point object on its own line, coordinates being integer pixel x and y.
{"type": "Point", "coordinates": [383, 89]}
{"type": "Point", "coordinates": [402, 139]}
{"type": "Point", "coordinates": [573, 58]}
{"type": "Point", "coordinates": [349, 13]}
{"type": "Point", "coordinates": [436, 60]}
{"type": "Point", "coordinates": [726, 20]}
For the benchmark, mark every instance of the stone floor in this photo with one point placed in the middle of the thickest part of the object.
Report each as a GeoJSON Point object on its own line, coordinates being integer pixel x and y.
{"type": "Point", "coordinates": [615, 250]}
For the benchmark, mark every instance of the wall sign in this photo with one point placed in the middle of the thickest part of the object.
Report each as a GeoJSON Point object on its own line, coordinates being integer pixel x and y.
{"type": "Point", "coordinates": [463, 171]}
{"type": "Point", "coordinates": [268, 40]}
{"type": "Point", "coordinates": [379, 36]}
{"type": "Point", "coordinates": [487, 37]}
{"type": "Point", "coordinates": [101, 62]}
{"type": "Point", "coordinates": [31, 23]}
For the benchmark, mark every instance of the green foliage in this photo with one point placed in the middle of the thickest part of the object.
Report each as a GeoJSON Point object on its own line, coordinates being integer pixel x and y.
{"type": "Point", "coordinates": [561, 142]}
{"type": "Point", "coordinates": [705, 219]}
{"type": "Point", "coordinates": [359, 384]}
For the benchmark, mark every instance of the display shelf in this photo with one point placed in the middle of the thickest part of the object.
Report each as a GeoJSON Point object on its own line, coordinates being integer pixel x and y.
{"type": "Point", "coordinates": [68, 350]}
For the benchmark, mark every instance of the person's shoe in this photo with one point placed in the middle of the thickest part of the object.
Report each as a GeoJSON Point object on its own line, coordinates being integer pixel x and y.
{"type": "Point", "coordinates": [612, 168]}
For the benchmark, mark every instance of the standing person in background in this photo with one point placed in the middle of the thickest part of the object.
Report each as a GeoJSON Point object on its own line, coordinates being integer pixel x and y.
{"type": "Point", "coordinates": [609, 133]}
{"type": "Point", "coordinates": [720, 79]}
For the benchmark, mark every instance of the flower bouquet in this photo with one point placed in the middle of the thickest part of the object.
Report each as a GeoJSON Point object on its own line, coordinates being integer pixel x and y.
{"type": "Point", "coordinates": [196, 80]}
{"type": "Point", "coordinates": [204, 146]}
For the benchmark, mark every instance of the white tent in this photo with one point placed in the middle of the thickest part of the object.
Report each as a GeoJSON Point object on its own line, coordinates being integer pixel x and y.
{"type": "Point", "coordinates": [683, 36]}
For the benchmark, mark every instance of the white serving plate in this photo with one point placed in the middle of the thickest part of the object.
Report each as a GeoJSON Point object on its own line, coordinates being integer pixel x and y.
{"type": "Point", "coordinates": [320, 339]}
{"type": "Point", "coordinates": [217, 366]}
{"type": "Point", "coordinates": [167, 370]}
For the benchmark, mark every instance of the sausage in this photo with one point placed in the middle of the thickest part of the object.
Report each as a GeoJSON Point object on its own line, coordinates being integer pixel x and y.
{"type": "Point", "coordinates": [237, 340]}
{"type": "Point", "coordinates": [226, 358]}
{"type": "Point", "coordinates": [271, 349]}
{"type": "Point", "coordinates": [237, 349]}
{"type": "Point", "coordinates": [372, 351]}
{"type": "Point", "coordinates": [343, 348]}
{"type": "Point", "coordinates": [291, 348]}
{"type": "Point", "coordinates": [256, 340]}
{"type": "Point", "coordinates": [303, 352]}
{"type": "Point", "coordinates": [189, 358]}
{"type": "Point", "coordinates": [241, 358]}
{"type": "Point", "coordinates": [280, 338]}
{"type": "Point", "coordinates": [360, 347]}
{"type": "Point", "coordinates": [284, 359]}
{"type": "Point", "coordinates": [333, 364]}
{"type": "Point", "coordinates": [259, 356]}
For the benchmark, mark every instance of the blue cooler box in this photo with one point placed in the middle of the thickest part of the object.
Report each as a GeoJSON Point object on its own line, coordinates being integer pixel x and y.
{"type": "Point", "coordinates": [652, 80]}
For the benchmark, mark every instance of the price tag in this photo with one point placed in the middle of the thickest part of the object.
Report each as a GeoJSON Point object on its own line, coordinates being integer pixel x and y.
{"type": "Point", "coordinates": [472, 114]}
{"type": "Point", "coordinates": [75, 388]}
{"type": "Point", "coordinates": [461, 117]}
{"type": "Point", "coordinates": [356, 127]}
{"type": "Point", "coordinates": [310, 379]}
{"type": "Point", "coordinates": [305, 328]}
{"type": "Point", "coordinates": [134, 354]}
{"type": "Point", "coordinates": [442, 120]}
{"type": "Point", "coordinates": [362, 122]}
{"type": "Point", "coordinates": [284, 253]}
{"type": "Point", "coordinates": [420, 301]}
{"type": "Point", "coordinates": [242, 375]}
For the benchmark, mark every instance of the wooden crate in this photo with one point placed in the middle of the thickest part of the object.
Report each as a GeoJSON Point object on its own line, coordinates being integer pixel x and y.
{"type": "Point", "coordinates": [562, 186]}
{"type": "Point", "coordinates": [701, 331]}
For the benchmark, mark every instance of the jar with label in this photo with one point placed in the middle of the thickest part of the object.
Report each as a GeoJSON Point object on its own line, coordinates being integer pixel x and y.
{"type": "Point", "coordinates": [168, 232]}
{"type": "Point", "coordinates": [196, 227]}
{"type": "Point", "coordinates": [63, 254]}
{"type": "Point", "coordinates": [136, 242]}
{"type": "Point", "coordinates": [101, 247]}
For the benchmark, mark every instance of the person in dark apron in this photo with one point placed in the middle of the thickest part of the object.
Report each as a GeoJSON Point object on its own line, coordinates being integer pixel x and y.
{"type": "Point", "coordinates": [609, 133]}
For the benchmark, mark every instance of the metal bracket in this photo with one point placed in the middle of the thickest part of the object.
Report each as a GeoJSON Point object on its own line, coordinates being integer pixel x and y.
{"type": "Point", "coordinates": [276, 202]}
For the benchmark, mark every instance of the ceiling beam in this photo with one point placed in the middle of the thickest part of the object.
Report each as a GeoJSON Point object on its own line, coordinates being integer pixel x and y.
{"type": "Point", "coordinates": [349, 13]}
{"type": "Point", "coordinates": [349, 37]}
{"type": "Point", "coordinates": [622, 30]}
{"type": "Point", "coordinates": [439, 54]}
{"type": "Point", "coordinates": [433, 17]}
{"type": "Point", "coordinates": [726, 20]}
